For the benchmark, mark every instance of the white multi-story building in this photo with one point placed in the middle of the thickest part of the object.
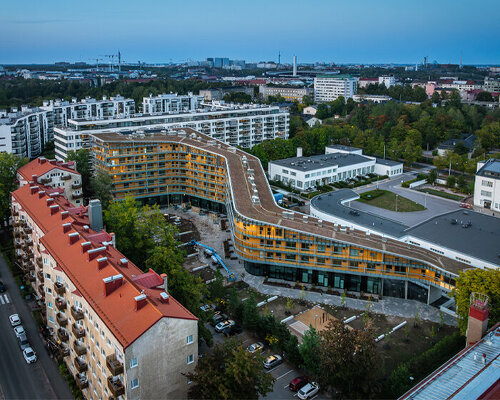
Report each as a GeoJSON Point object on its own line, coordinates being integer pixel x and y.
{"type": "Point", "coordinates": [287, 92]}
{"type": "Point", "coordinates": [339, 163]}
{"type": "Point", "coordinates": [487, 186]}
{"type": "Point", "coordinates": [387, 80]}
{"type": "Point", "coordinates": [329, 87]}
{"type": "Point", "coordinates": [171, 103]}
{"type": "Point", "coordinates": [243, 126]}
{"type": "Point", "coordinates": [25, 132]}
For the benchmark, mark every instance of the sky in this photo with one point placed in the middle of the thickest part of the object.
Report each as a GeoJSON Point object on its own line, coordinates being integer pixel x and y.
{"type": "Point", "coordinates": [160, 31]}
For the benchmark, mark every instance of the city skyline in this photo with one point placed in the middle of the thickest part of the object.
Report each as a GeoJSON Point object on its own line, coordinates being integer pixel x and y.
{"type": "Point", "coordinates": [358, 32]}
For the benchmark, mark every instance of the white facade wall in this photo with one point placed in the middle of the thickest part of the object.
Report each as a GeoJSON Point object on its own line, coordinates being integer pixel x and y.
{"type": "Point", "coordinates": [387, 80]}
{"type": "Point", "coordinates": [487, 192]}
{"type": "Point", "coordinates": [329, 88]}
{"type": "Point", "coordinates": [390, 170]}
{"type": "Point", "coordinates": [288, 93]}
{"type": "Point", "coordinates": [171, 103]}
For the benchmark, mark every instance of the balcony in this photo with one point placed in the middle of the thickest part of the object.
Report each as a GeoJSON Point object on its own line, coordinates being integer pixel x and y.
{"type": "Point", "coordinates": [77, 196]}
{"type": "Point", "coordinates": [27, 230]}
{"type": "Point", "coordinates": [114, 365]}
{"type": "Point", "coordinates": [62, 334]}
{"type": "Point", "coordinates": [63, 350]}
{"type": "Point", "coordinates": [76, 313]}
{"type": "Point", "coordinates": [39, 262]}
{"type": "Point", "coordinates": [61, 304]}
{"type": "Point", "coordinates": [81, 365]}
{"type": "Point", "coordinates": [44, 181]}
{"type": "Point", "coordinates": [65, 177]}
{"type": "Point", "coordinates": [76, 186]}
{"type": "Point", "coordinates": [116, 387]}
{"type": "Point", "coordinates": [59, 288]}
{"type": "Point", "coordinates": [79, 347]}
{"type": "Point", "coordinates": [41, 290]}
{"type": "Point", "coordinates": [78, 331]}
{"type": "Point", "coordinates": [62, 320]}
{"type": "Point", "coordinates": [81, 381]}
{"type": "Point", "coordinates": [39, 274]}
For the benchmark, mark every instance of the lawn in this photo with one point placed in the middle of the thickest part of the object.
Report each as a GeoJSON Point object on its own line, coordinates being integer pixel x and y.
{"type": "Point", "coordinates": [385, 199]}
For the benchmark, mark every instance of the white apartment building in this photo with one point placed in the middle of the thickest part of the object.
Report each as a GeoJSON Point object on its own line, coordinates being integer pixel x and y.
{"type": "Point", "coordinates": [387, 80]}
{"type": "Point", "coordinates": [339, 163]}
{"type": "Point", "coordinates": [491, 84]}
{"type": "Point", "coordinates": [487, 185]}
{"type": "Point", "coordinates": [243, 126]}
{"type": "Point", "coordinates": [329, 87]}
{"type": "Point", "coordinates": [171, 103]}
{"type": "Point", "coordinates": [287, 92]}
{"type": "Point", "coordinates": [25, 132]}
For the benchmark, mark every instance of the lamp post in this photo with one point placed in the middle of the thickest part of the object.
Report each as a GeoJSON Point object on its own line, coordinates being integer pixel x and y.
{"type": "Point", "coordinates": [396, 203]}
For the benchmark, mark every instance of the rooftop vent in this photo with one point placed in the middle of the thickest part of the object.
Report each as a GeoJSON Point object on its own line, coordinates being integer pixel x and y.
{"type": "Point", "coordinates": [66, 227]}
{"type": "Point", "coordinates": [93, 253]}
{"type": "Point", "coordinates": [102, 262]}
{"type": "Point", "coordinates": [41, 194]}
{"type": "Point", "coordinates": [64, 214]}
{"type": "Point", "coordinates": [164, 297]}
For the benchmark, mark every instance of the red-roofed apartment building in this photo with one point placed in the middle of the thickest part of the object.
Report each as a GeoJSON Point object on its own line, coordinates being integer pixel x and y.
{"type": "Point", "coordinates": [55, 174]}
{"type": "Point", "coordinates": [118, 330]}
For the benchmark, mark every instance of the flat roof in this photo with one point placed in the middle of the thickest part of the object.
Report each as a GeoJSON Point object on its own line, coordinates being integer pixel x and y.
{"type": "Point", "coordinates": [321, 161]}
{"type": "Point", "coordinates": [479, 239]}
{"type": "Point", "coordinates": [465, 376]}
{"type": "Point", "coordinates": [387, 162]}
{"type": "Point", "coordinates": [343, 147]}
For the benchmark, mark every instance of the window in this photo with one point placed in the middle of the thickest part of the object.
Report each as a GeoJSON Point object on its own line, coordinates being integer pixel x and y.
{"type": "Point", "coordinates": [133, 363]}
{"type": "Point", "coordinates": [190, 359]}
{"type": "Point", "coordinates": [134, 383]}
{"type": "Point", "coordinates": [190, 339]}
{"type": "Point", "coordinates": [485, 193]}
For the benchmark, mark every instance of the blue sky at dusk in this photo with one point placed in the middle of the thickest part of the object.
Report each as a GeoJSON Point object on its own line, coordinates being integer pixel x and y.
{"type": "Point", "coordinates": [355, 31]}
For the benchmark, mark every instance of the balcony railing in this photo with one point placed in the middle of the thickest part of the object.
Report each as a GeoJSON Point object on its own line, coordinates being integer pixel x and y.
{"type": "Point", "coordinates": [39, 274]}
{"type": "Point", "coordinates": [59, 288]}
{"type": "Point", "coordinates": [115, 385]}
{"type": "Point", "coordinates": [62, 334]}
{"type": "Point", "coordinates": [65, 177]}
{"type": "Point", "coordinates": [76, 313]}
{"type": "Point", "coordinates": [77, 196]}
{"type": "Point", "coordinates": [79, 347]}
{"type": "Point", "coordinates": [41, 290]}
{"type": "Point", "coordinates": [63, 350]}
{"type": "Point", "coordinates": [78, 331]}
{"type": "Point", "coordinates": [61, 304]}
{"type": "Point", "coordinates": [114, 365]}
{"type": "Point", "coordinates": [76, 186]}
{"type": "Point", "coordinates": [81, 381]}
{"type": "Point", "coordinates": [62, 320]}
{"type": "Point", "coordinates": [81, 365]}
{"type": "Point", "coordinates": [39, 262]}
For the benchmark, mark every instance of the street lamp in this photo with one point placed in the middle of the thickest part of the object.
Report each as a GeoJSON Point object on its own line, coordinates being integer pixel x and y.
{"type": "Point", "coordinates": [396, 203]}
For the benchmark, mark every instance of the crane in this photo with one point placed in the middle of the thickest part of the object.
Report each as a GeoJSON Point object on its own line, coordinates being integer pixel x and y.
{"type": "Point", "coordinates": [111, 62]}
{"type": "Point", "coordinates": [96, 62]}
{"type": "Point", "coordinates": [213, 253]}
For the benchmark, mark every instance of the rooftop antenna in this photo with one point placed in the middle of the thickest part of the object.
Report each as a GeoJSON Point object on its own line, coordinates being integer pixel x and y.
{"type": "Point", "coordinates": [279, 58]}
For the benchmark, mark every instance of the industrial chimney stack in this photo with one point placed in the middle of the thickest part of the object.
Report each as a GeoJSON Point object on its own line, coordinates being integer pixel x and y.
{"type": "Point", "coordinates": [294, 65]}
{"type": "Point", "coordinates": [95, 215]}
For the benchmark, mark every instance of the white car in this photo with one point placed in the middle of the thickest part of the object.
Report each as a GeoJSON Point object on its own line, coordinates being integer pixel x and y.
{"type": "Point", "coordinates": [224, 324]}
{"type": "Point", "coordinates": [308, 391]}
{"type": "Point", "coordinates": [29, 355]}
{"type": "Point", "coordinates": [19, 330]}
{"type": "Point", "coordinates": [15, 320]}
{"type": "Point", "coordinates": [253, 348]}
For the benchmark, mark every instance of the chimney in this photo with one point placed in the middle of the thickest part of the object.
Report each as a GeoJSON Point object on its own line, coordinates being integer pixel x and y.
{"type": "Point", "coordinates": [42, 160]}
{"type": "Point", "coordinates": [299, 151]}
{"type": "Point", "coordinates": [140, 301]}
{"type": "Point", "coordinates": [33, 189]}
{"type": "Point", "coordinates": [93, 253]}
{"type": "Point", "coordinates": [95, 215]}
{"type": "Point", "coordinates": [50, 200]}
{"type": "Point", "coordinates": [86, 228]}
{"type": "Point", "coordinates": [41, 194]}
{"type": "Point", "coordinates": [165, 282]}
{"type": "Point", "coordinates": [113, 239]}
{"type": "Point", "coordinates": [102, 262]}
{"type": "Point", "coordinates": [64, 214]}
{"type": "Point", "coordinates": [164, 297]}
{"type": "Point", "coordinates": [66, 227]}
{"type": "Point", "coordinates": [124, 262]}
{"type": "Point", "coordinates": [73, 237]}
{"type": "Point", "coordinates": [478, 317]}
{"type": "Point", "coordinates": [35, 178]}
{"type": "Point", "coordinates": [85, 246]}
{"type": "Point", "coordinates": [112, 283]}
{"type": "Point", "coordinates": [54, 209]}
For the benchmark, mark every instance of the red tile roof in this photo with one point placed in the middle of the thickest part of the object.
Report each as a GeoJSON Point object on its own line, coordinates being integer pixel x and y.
{"type": "Point", "coordinates": [41, 166]}
{"type": "Point", "coordinates": [117, 309]}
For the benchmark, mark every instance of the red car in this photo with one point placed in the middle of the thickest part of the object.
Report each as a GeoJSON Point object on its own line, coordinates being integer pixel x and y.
{"type": "Point", "coordinates": [465, 205]}
{"type": "Point", "coordinates": [298, 383]}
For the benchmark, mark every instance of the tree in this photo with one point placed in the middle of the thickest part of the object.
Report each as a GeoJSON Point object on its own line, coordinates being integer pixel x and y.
{"type": "Point", "coordinates": [102, 185]}
{"type": "Point", "coordinates": [451, 181]}
{"type": "Point", "coordinates": [250, 318]}
{"type": "Point", "coordinates": [485, 281]}
{"type": "Point", "coordinates": [82, 159]}
{"type": "Point", "coordinates": [431, 178]}
{"type": "Point", "coordinates": [461, 182]}
{"type": "Point", "coordinates": [229, 372]}
{"type": "Point", "coordinates": [307, 100]}
{"type": "Point", "coordinates": [460, 148]}
{"type": "Point", "coordinates": [484, 96]}
{"type": "Point", "coordinates": [348, 360]}
{"type": "Point", "coordinates": [9, 164]}
{"type": "Point", "coordinates": [309, 350]}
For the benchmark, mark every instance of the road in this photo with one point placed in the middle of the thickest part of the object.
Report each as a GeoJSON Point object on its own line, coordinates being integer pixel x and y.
{"type": "Point", "coordinates": [19, 380]}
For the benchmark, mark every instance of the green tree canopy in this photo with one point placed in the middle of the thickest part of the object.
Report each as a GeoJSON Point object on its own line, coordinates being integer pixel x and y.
{"type": "Point", "coordinates": [9, 164]}
{"type": "Point", "coordinates": [310, 351]}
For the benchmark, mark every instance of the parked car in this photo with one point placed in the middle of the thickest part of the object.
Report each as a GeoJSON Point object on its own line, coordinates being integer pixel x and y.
{"type": "Point", "coordinates": [2, 287]}
{"type": "Point", "coordinates": [465, 205]}
{"type": "Point", "coordinates": [15, 320]}
{"type": "Point", "coordinates": [223, 325]}
{"type": "Point", "coordinates": [308, 391]}
{"type": "Point", "coordinates": [273, 361]}
{"type": "Point", "coordinates": [22, 340]}
{"type": "Point", "coordinates": [208, 307]}
{"type": "Point", "coordinates": [218, 317]}
{"type": "Point", "coordinates": [298, 383]}
{"type": "Point", "coordinates": [232, 330]}
{"type": "Point", "coordinates": [255, 347]}
{"type": "Point", "coordinates": [29, 355]}
{"type": "Point", "coordinates": [19, 330]}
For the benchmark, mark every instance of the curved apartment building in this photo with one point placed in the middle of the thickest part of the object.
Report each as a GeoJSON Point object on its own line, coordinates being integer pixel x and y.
{"type": "Point", "coordinates": [185, 166]}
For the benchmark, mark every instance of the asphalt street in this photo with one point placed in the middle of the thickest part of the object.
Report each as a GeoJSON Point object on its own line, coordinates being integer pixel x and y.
{"type": "Point", "coordinates": [19, 380]}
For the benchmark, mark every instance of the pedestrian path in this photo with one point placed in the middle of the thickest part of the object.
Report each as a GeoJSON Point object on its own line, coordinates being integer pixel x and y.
{"type": "Point", "coordinates": [4, 299]}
